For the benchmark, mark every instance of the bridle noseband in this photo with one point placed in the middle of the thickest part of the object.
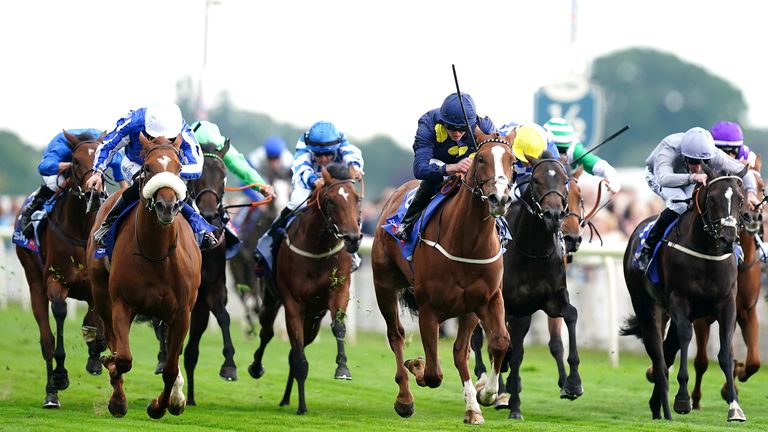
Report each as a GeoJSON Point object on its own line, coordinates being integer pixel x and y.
{"type": "Point", "coordinates": [536, 209]}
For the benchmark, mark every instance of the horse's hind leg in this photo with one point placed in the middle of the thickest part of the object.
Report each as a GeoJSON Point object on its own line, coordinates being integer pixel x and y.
{"type": "Point", "coordinates": [228, 369]}
{"type": "Point", "coordinates": [121, 360]}
{"type": "Point", "coordinates": [727, 324]}
{"type": "Point", "coordinates": [60, 374]}
{"type": "Point", "coordinates": [267, 332]}
{"type": "Point", "coordinates": [472, 413]}
{"type": "Point", "coordinates": [198, 324]}
{"type": "Point", "coordinates": [294, 319]}
{"type": "Point", "coordinates": [161, 328]}
{"type": "Point", "coordinates": [476, 343]}
{"type": "Point", "coordinates": [555, 325]}
{"type": "Point", "coordinates": [39, 303]}
{"type": "Point", "coordinates": [339, 300]}
{"type": "Point", "coordinates": [684, 329]}
{"type": "Point", "coordinates": [749, 325]}
{"type": "Point", "coordinates": [572, 388]}
{"type": "Point", "coordinates": [518, 327]}
{"type": "Point", "coordinates": [172, 396]}
{"type": "Point", "coordinates": [93, 334]}
{"type": "Point", "coordinates": [701, 361]}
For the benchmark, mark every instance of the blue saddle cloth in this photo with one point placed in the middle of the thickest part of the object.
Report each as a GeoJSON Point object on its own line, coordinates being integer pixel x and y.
{"type": "Point", "coordinates": [653, 268]}
{"type": "Point", "coordinates": [393, 222]}
{"type": "Point", "coordinates": [37, 218]}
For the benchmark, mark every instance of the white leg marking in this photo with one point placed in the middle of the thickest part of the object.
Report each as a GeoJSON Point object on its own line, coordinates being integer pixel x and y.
{"type": "Point", "coordinates": [177, 395]}
{"type": "Point", "coordinates": [470, 397]}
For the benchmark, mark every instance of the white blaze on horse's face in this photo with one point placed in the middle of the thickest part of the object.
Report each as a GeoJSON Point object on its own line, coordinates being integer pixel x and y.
{"type": "Point", "coordinates": [344, 193]}
{"type": "Point", "coordinates": [728, 195]}
{"type": "Point", "coordinates": [501, 179]}
{"type": "Point", "coordinates": [551, 173]}
{"type": "Point", "coordinates": [91, 152]}
{"type": "Point", "coordinates": [164, 160]}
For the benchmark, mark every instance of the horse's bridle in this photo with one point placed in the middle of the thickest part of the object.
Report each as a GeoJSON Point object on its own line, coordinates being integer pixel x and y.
{"type": "Point", "coordinates": [710, 227]}
{"type": "Point", "coordinates": [477, 189]}
{"type": "Point", "coordinates": [219, 197]}
{"type": "Point", "coordinates": [75, 189]}
{"type": "Point", "coordinates": [330, 225]}
{"type": "Point", "coordinates": [536, 201]}
{"type": "Point", "coordinates": [149, 203]}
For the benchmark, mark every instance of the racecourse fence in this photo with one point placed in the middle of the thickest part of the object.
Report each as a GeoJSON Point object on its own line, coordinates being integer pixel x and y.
{"type": "Point", "coordinates": [595, 282]}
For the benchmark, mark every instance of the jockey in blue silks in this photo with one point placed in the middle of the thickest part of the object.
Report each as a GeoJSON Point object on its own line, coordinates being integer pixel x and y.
{"type": "Point", "coordinates": [441, 148]}
{"type": "Point", "coordinates": [321, 145]}
{"type": "Point", "coordinates": [56, 159]}
{"type": "Point", "coordinates": [154, 121]}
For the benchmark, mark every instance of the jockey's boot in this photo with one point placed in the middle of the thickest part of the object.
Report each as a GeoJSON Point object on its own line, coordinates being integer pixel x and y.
{"type": "Point", "coordinates": [43, 195]}
{"type": "Point", "coordinates": [654, 236]}
{"type": "Point", "coordinates": [129, 196]}
{"type": "Point", "coordinates": [209, 241]}
{"type": "Point", "coordinates": [277, 230]}
{"type": "Point", "coordinates": [421, 199]}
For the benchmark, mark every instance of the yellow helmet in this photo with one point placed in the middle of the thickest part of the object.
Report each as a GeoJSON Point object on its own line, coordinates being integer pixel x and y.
{"type": "Point", "coordinates": [531, 140]}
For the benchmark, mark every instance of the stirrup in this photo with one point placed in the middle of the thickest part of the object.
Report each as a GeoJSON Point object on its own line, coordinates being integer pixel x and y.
{"type": "Point", "coordinates": [100, 236]}
{"type": "Point", "coordinates": [402, 234]}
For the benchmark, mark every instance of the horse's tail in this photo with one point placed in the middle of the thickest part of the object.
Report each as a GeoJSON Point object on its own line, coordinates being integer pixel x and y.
{"type": "Point", "coordinates": [408, 300]}
{"type": "Point", "coordinates": [631, 327]}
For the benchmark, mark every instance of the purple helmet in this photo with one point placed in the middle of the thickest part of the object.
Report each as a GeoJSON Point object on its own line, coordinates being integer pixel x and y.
{"type": "Point", "coordinates": [727, 134]}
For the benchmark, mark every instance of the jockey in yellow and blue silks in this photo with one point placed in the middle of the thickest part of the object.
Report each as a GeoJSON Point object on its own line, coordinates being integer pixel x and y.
{"type": "Point", "coordinates": [56, 159]}
{"type": "Point", "coordinates": [153, 121]}
{"type": "Point", "coordinates": [441, 148]}
{"type": "Point", "coordinates": [531, 140]}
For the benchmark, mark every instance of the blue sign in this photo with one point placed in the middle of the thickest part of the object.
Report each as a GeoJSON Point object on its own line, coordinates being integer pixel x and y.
{"type": "Point", "coordinates": [576, 100]}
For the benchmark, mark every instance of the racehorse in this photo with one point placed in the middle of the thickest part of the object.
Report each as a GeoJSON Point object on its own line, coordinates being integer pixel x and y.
{"type": "Point", "coordinates": [58, 271]}
{"type": "Point", "coordinates": [747, 295]}
{"type": "Point", "coordinates": [154, 270]}
{"type": "Point", "coordinates": [312, 275]}
{"type": "Point", "coordinates": [456, 272]}
{"type": "Point", "coordinates": [697, 278]}
{"type": "Point", "coordinates": [207, 193]}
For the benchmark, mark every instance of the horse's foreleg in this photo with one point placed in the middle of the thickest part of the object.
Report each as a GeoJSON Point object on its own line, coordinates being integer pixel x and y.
{"type": "Point", "coordinates": [228, 369]}
{"type": "Point", "coordinates": [59, 309]}
{"type": "Point", "coordinates": [572, 388]}
{"type": "Point", "coordinates": [197, 326]}
{"type": "Point", "coordinates": [161, 328]}
{"type": "Point", "coordinates": [267, 320]}
{"type": "Point", "coordinates": [294, 319]}
{"type": "Point", "coordinates": [476, 343]}
{"type": "Point", "coordinates": [93, 334]}
{"type": "Point", "coordinates": [39, 302]}
{"type": "Point", "coordinates": [431, 374]}
{"type": "Point", "coordinates": [518, 328]}
{"type": "Point", "coordinates": [120, 361]}
{"type": "Point", "coordinates": [387, 300]}
{"type": "Point", "coordinates": [172, 396]}
{"type": "Point", "coordinates": [555, 325]}
{"type": "Point", "coordinates": [727, 324]}
{"type": "Point", "coordinates": [472, 413]}
{"type": "Point", "coordinates": [684, 330]}
{"type": "Point", "coordinates": [701, 361]}
{"type": "Point", "coordinates": [338, 302]}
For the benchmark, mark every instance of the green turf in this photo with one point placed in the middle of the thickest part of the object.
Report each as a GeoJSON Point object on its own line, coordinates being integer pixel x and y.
{"type": "Point", "coordinates": [614, 399]}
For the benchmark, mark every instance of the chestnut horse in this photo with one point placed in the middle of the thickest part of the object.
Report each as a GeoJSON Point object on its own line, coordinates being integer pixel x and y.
{"type": "Point", "coordinates": [58, 272]}
{"type": "Point", "coordinates": [154, 270]}
{"type": "Point", "coordinates": [697, 279]}
{"type": "Point", "coordinates": [747, 295]}
{"type": "Point", "coordinates": [456, 272]}
{"type": "Point", "coordinates": [312, 276]}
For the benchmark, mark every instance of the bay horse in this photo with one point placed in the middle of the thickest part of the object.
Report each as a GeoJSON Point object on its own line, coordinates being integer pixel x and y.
{"type": "Point", "coordinates": [456, 272]}
{"type": "Point", "coordinates": [312, 275]}
{"type": "Point", "coordinates": [697, 279]}
{"type": "Point", "coordinates": [747, 296]}
{"type": "Point", "coordinates": [154, 270]}
{"type": "Point", "coordinates": [58, 271]}
{"type": "Point", "coordinates": [207, 192]}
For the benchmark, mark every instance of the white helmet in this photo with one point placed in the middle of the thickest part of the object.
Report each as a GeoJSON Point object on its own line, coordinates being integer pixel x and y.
{"type": "Point", "coordinates": [163, 120]}
{"type": "Point", "coordinates": [697, 143]}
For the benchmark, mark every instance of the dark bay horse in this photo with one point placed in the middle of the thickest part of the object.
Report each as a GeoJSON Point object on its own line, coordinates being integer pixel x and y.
{"type": "Point", "coordinates": [208, 193]}
{"type": "Point", "coordinates": [698, 274]}
{"type": "Point", "coordinates": [155, 271]}
{"type": "Point", "coordinates": [456, 272]}
{"type": "Point", "coordinates": [747, 296]}
{"type": "Point", "coordinates": [312, 275]}
{"type": "Point", "coordinates": [58, 272]}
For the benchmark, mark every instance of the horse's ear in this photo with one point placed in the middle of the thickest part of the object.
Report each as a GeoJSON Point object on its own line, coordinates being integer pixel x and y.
{"type": "Point", "coordinates": [101, 137]}
{"type": "Point", "coordinates": [226, 147]}
{"type": "Point", "coordinates": [327, 176]}
{"type": "Point", "coordinates": [708, 171]}
{"type": "Point", "coordinates": [177, 142]}
{"type": "Point", "coordinates": [71, 139]}
{"type": "Point", "coordinates": [532, 160]}
{"type": "Point", "coordinates": [480, 135]}
{"type": "Point", "coordinates": [758, 163]}
{"type": "Point", "coordinates": [578, 171]}
{"type": "Point", "coordinates": [145, 142]}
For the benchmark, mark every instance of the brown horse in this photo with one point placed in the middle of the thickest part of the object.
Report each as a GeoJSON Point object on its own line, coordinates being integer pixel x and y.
{"type": "Point", "coordinates": [747, 295]}
{"type": "Point", "coordinates": [155, 270]}
{"type": "Point", "coordinates": [698, 274]}
{"type": "Point", "coordinates": [58, 272]}
{"type": "Point", "coordinates": [319, 243]}
{"type": "Point", "coordinates": [456, 272]}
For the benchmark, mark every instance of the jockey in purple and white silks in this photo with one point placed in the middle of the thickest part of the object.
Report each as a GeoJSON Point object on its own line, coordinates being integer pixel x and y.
{"type": "Point", "coordinates": [730, 139]}
{"type": "Point", "coordinates": [672, 171]}
{"type": "Point", "coordinates": [56, 159]}
{"type": "Point", "coordinates": [154, 121]}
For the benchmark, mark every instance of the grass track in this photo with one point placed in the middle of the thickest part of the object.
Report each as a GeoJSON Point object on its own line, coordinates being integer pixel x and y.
{"type": "Point", "coordinates": [614, 399]}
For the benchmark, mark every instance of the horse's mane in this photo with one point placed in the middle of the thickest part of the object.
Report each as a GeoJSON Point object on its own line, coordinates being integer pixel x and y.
{"type": "Point", "coordinates": [86, 136]}
{"type": "Point", "coordinates": [338, 171]}
{"type": "Point", "coordinates": [208, 148]}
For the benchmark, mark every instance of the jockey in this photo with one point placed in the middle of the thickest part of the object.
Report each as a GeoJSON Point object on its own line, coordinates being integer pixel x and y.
{"type": "Point", "coordinates": [321, 145]}
{"type": "Point", "coordinates": [572, 149]}
{"type": "Point", "coordinates": [153, 121]}
{"type": "Point", "coordinates": [273, 159]}
{"type": "Point", "coordinates": [672, 171]}
{"type": "Point", "coordinates": [530, 140]}
{"type": "Point", "coordinates": [730, 139]}
{"type": "Point", "coordinates": [57, 159]}
{"type": "Point", "coordinates": [441, 148]}
{"type": "Point", "coordinates": [208, 133]}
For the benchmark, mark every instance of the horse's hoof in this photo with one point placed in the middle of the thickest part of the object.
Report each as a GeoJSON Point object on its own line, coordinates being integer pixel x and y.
{"type": "Point", "coordinates": [229, 373]}
{"type": "Point", "coordinates": [571, 394]}
{"type": "Point", "coordinates": [159, 368]}
{"type": "Point", "coordinates": [154, 411]}
{"type": "Point", "coordinates": [502, 401]}
{"type": "Point", "coordinates": [342, 373]}
{"type": "Point", "coordinates": [485, 398]}
{"type": "Point", "coordinates": [404, 409]}
{"type": "Point", "coordinates": [682, 406]}
{"type": "Point", "coordinates": [51, 401]}
{"type": "Point", "coordinates": [301, 411]}
{"type": "Point", "coordinates": [735, 413]}
{"type": "Point", "coordinates": [191, 402]}
{"type": "Point", "coordinates": [255, 373]}
{"type": "Point", "coordinates": [416, 367]}
{"type": "Point", "coordinates": [515, 415]}
{"type": "Point", "coordinates": [473, 418]}
{"type": "Point", "coordinates": [93, 366]}
{"type": "Point", "coordinates": [177, 409]}
{"type": "Point", "coordinates": [117, 408]}
{"type": "Point", "coordinates": [61, 380]}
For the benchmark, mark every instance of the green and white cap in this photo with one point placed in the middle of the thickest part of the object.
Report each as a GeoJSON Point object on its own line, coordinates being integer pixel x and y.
{"type": "Point", "coordinates": [561, 131]}
{"type": "Point", "coordinates": [208, 133]}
